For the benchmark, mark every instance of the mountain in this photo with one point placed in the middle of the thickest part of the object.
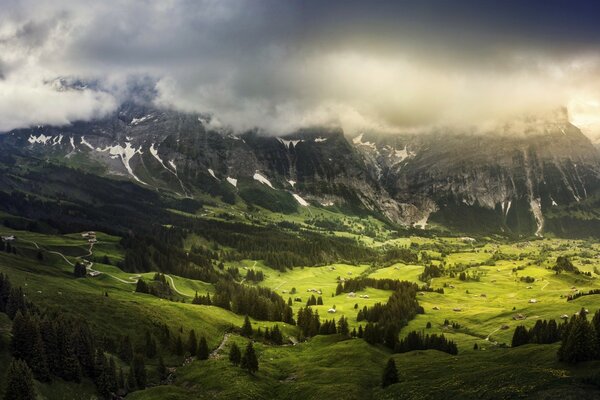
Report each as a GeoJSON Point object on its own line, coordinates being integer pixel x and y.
{"type": "Point", "coordinates": [524, 178]}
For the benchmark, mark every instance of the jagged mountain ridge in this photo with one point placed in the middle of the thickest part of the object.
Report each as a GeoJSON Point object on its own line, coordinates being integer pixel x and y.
{"type": "Point", "coordinates": [505, 181]}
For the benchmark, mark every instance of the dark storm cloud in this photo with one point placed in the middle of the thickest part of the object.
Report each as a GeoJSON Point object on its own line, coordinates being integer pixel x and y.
{"type": "Point", "coordinates": [284, 64]}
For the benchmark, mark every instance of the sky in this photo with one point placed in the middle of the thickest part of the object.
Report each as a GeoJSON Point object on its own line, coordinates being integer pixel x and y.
{"type": "Point", "coordinates": [281, 65]}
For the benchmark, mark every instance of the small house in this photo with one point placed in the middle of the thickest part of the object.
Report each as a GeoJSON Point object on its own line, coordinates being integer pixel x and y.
{"type": "Point", "coordinates": [331, 311]}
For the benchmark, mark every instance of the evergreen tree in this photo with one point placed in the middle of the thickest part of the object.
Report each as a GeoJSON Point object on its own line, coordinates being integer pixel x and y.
{"type": "Point", "coordinates": [276, 336]}
{"type": "Point", "coordinates": [235, 355]}
{"type": "Point", "coordinates": [192, 345]}
{"type": "Point", "coordinates": [390, 374]}
{"type": "Point", "coordinates": [139, 370]}
{"type": "Point", "coordinates": [19, 382]}
{"type": "Point", "coordinates": [126, 349]}
{"type": "Point", "coordinates": [520, 337]}
{"type": "Point", "coordinates": [343, 326]}
{"type": "Point", "coordinates": [178, 346]}
{"type": "Point", "coordinates": [247, 328]}
{"type": "Point", "coordinates": [121, 379]}
{"type": "Point", "coordinates": [79, 270]}
{"type": "Point", "coordinates": [142, 286]}
{"type": "Point", "coordinates": [131, 383]}
{"type": "Point", "coordinates": [249, 360]}
{"type": "Point", "coordinates": [203, 349]}
{"type": "Point", "coordinates": [161, 369]}
{"type": "Point", "coordinates": [150, 348]}
{"type": "Point", "coordinates": [578, 342]}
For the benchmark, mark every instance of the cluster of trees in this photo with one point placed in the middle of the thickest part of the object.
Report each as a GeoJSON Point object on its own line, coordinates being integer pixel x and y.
{"type": "Point", "coordinates": [279, 249]}
{"type": "Point", "coordinates": [247, 361]}
{"type": "Point", "coordinates": [580, 294]}
{"type": "Point", "coordinates": [564, 264]}
{"type": "Point", "coordinates": [255, 276]}
{"type": "Point", "coordinates": [313, 301]}
{"type": "Point", "coordinates": [418, 341]}
{"type": "Point", "coordinates": [431, 271]}
{"type": "Point", "coordinates": [580, 339]}
{"type": "Point", "coordinates": [272, 335]}
{"type": "Point", "coordinates": [204, 300]}
{"type": "Point", "coordinates": [360, 283]}
{"type": "Point", "coordinates": [50, 345]}
{"type": "Point", "coordinates": [401, 307]}
{"type": "Point", "coordinates": [543, 332]}
{"type": "Point", "coordinates": [158, 287]}
{"type": "Point", "coordinates": [258, 302]}
{"type": "Point", "coordinates": [311, 325]}
{"type": "Point", "coordinates": [308, 322]}
{"type": "Point", "coordinates": [400, 254]}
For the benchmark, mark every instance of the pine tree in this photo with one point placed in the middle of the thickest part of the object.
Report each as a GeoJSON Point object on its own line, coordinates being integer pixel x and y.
{"type": "Point", "coordinates": [578, 342]}
{"type": "Point", "coordinates": [142, 286]}
{"type": "Point", "coordinates": [130, 384]}
{"type": "Point", "coordinates": [247, 328]}
{"type": "Point", "coordinates": [276, 336]}
{"type": "Point", "coordinates": [520, 337]}
{"type": "Point", "coordinates": [235, 355]}
{"type": "Point", "coordinates": [150, 345]}
{"type": "Point", "coordinates": [121, 379]}
{"type": "Point", "coordinates": [161, 369]}
{"type": "Point", "coordinates": [139, 370]}
{"type": "Point", "coordinates": [249, 360]}
{"type": "Point", "coordinates": [126, 349]}
{"type": "Point", "coordinates": [19, 382]}
{"type": "Point", "coordinates": [203, 349]}
{"type": "Point", "coordinates": [390, 374]}
{"type": "Point", "coordinates": [343, 326]}
{"type": "Point", "coordinates": [178, 346]}
{"type": "Point", "coordinates": [192, 345]}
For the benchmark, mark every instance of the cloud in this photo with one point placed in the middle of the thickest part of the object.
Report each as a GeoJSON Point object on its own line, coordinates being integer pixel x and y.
{"type": "Point", "coordinates": [387, 66]}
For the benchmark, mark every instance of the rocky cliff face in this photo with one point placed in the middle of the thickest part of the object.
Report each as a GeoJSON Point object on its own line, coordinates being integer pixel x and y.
{"type": "Point", "coordinates": [503, 180]}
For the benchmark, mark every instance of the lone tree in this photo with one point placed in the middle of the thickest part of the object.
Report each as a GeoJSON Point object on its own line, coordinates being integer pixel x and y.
{"type": "Point", "coordinates": [249, 360]}
{"type": "Point", "coordinates": [235, 356]}
{"type": "Point", "coordinates": [390, 374]}
{"type": "Point", "coordinates": [247, 327]}
{"type": "Point", "coordinates": [192, 343]}
{"type": "Point", "coordinates": [202, 349]}
{"type": "Point", "coordinates": [79, 270]}
{"type": "Point", "coordinates": [19, 382]}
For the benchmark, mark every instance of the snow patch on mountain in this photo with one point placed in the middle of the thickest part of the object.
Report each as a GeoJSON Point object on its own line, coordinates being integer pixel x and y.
{"type": "Point", "coordinates": [320, 140]}
{"type": "Point", "coordinates": [86, 143]}
{"type": "Point", "coordinates": [291, 182]}
{"type": "Point", "coordinates": [300, 200]}
{"type": "Point", "coordinates": [41, 139]}
{"type": "Point", "coordinates": [358, 141]}
{"type": "Point", "coordinates": [233, 181]}
{"type": "Point", "coordinates": [262, 179]}
{"type": "Point", "coordinates": [125, 154]}
{"type": "Point", "coordinates": [212, 173]}
{"type": "Point", "coordinates": [287, 143]}
{"type": "Point", "coordinates": [136, 121]}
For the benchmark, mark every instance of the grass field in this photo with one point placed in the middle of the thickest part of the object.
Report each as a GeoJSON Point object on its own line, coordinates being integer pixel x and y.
{"type": "Point", "coordinates": [328, 366]}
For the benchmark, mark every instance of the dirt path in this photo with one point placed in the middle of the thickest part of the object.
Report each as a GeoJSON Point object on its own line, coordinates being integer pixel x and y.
{"type": "Point", "coordinates": [547, 283]}
{"type": "Point", "coordinates": [175, 288]}
{"type": "Point", "coordinates": [215, 353]}
{"type": "Point", "coordinates": [491, 333]}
